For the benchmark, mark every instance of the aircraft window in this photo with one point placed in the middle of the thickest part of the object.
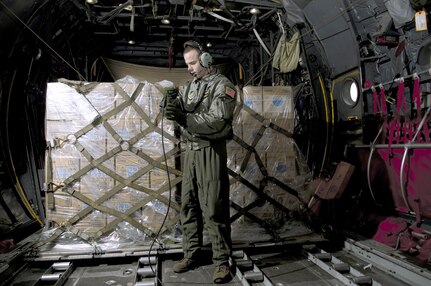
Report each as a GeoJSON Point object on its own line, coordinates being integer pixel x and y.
{"type": "Point", "coordinates": [350, 92]}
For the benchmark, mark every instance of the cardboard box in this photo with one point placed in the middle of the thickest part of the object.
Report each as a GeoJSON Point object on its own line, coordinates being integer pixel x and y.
{"type": "Point", "coordinates": [69, 112]}
{"type": "Point", "coordinates": [253, 97]}
{"type": "Point", "coordinates": [137, 127]}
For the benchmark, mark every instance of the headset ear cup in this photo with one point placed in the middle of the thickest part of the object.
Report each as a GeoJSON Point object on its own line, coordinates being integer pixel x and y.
{"type": "Point", "coordinates": [205, 59]}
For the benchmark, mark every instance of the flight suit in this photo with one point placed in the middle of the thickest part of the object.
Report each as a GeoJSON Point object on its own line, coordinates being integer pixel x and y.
{"type": "Point", "coordinates": [209, 104]}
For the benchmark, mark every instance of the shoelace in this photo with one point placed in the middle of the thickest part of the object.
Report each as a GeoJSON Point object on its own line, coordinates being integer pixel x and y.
{"type": "Point", "coordinates": [222, 268]}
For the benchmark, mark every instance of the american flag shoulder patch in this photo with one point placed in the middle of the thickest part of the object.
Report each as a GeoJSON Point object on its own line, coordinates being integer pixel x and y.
{"type": "Point", "coordinates": [230, 91]}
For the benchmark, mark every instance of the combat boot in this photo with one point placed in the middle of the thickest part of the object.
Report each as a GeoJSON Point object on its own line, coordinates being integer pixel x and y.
{"type": "Point", "coordinates": [222, 274]}
{"type": "Point", "coordinates": [184, 265]}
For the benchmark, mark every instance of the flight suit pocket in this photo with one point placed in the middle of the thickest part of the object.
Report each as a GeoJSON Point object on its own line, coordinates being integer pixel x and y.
{"type": "Point", "coordinates": [226, 107]}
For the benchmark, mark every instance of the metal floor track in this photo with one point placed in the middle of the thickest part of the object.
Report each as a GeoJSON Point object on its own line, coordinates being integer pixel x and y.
{"type": "Point", "coordinates": [356, 263]}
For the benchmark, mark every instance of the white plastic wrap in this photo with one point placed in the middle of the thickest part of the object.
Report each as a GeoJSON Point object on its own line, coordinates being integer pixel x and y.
{"type": "Point", "coordinates": [105, 168]}
{"type": "Point", "coordinates": [106, 180]}
{"type": "Point", "coordinates": [263, 124]}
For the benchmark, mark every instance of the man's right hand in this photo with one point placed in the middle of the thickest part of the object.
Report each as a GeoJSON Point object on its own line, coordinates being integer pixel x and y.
{"type": "Point", "coordinates": [173, 112]}
{"type": "Point", "coordinates": [171, 93]}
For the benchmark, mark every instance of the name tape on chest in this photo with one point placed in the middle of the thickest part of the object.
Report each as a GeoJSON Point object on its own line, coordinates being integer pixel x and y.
{"type": "Point", "coordinates": [230, 91]}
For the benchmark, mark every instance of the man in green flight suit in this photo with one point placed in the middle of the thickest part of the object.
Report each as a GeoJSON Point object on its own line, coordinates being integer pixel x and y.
{"type": "Point", "coordinates": [204, 110]}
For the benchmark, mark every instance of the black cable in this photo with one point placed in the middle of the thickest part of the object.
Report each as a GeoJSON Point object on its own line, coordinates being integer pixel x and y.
{"type": "Point", "coordinates": [162, 108]}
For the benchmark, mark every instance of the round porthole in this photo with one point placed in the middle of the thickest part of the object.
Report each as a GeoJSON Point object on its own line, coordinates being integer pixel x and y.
{"type": "Point", "coordinates": [350, 92]}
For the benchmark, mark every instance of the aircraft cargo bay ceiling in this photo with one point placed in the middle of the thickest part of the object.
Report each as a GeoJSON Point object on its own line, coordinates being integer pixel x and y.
{"type": "Point", "coordinates": [69, 35]}
{"type": "Point", "coordinates": [138, 31]}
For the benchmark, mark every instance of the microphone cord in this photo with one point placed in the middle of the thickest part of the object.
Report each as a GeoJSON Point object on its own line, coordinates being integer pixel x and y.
{"type": "Point", "coordinates": [164, 100]}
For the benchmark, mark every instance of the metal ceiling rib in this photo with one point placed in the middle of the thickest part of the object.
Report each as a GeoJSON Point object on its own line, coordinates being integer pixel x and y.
{"type": "Point", "coordinates": [226, 24]}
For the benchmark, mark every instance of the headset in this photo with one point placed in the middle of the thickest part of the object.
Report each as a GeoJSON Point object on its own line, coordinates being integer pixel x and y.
{"type": "Point", "coordinates": [205, 58]}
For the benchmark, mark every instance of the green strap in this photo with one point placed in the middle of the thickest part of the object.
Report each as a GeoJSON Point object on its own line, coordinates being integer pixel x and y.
{"type": "Point", "coordinates": [285, 187]}
{"type": "Point", "coordinates": [244, 211]}
{"type": "Point", "coordinates": [280, 130]}
{"type": "Point", "coordinates": [259, 191]}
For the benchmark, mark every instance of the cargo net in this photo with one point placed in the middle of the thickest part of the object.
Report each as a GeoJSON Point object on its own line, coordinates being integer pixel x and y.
{"type": "Point", "coordinates": [270, 179]}
{"type": "Point", "coordinates": [111, 170]}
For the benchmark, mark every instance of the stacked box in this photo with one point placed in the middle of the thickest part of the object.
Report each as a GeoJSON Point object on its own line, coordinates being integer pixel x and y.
{"type": "Point", "coordinates": [235, 155]}
{"type": "Point", "coordinates": [98, 147]}
{"type": "Point", "coordinates": [92, 223]}
{"type": "Point", "coordinates": [276, 151]}
{"type": "Point", "coordinates": [159, 177]}
{"type": "Point", "coordinates": [281, 157]}
{"type": "Point", "coordinates": [153, 215]}
{"type": "Point", "coordinates": [123, 200]}
{"type": "Point", "coordinates": [63, 209]}
{"type": "Point", "coordinates": [67, 111]}
{"type": "Point", "coordinates": [242, 195]}
{"type": "Point", "coordinates": [96, 182]}
{"type": "Point", "coordinates": [65, 163]}
{"type": "Point", "coordinates": [253, 97]}
{"type": "Point", "coordinates": [278, 106]}
{"type": "Point", "coordinates": [99, 142]}
{"type": "Point", "coordinates": [250, 125]}
{"type": "Point", "coordinates": [273, 105]}
{"type": "Point", "coordinates": [128, 164]}
{"type": "Point", "coordinates": [154, 143]}
{"type": "Point", "coordinates": [66, 207]}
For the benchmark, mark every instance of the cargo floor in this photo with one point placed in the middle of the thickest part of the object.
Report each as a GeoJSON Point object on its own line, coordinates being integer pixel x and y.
{"type": "Point", "coordinates": [357, 262]}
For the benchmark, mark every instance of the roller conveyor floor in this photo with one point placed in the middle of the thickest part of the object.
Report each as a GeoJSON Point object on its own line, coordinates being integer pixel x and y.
{"type": "Point", "coordinates": [356, 263]}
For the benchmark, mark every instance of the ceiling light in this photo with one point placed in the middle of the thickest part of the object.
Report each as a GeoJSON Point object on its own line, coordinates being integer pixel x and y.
{"type": "Point", "coordinates": [209, 44]}
{"type": "Point", "coordinates": [165, 21]}
{"type": "Point", "coordinates": [92, 1]}
{"type": "Point", "coordinates": [131, 42]}
{"type": "Point", "coordinates": [254, 11]}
